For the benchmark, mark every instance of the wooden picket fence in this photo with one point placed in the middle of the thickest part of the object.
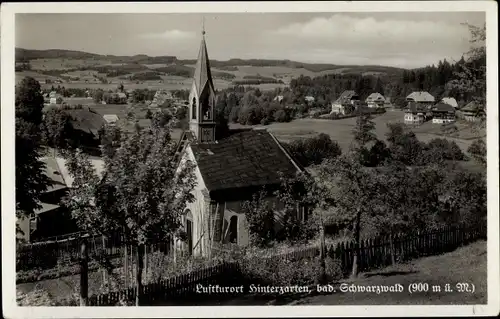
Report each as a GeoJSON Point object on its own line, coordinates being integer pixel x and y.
{"type": "Point", "coordinates": [49, 254]}
{"type": "Point", "coordinates": [372, 254]}
{"type": "Point", "coordinates": [182, 287]}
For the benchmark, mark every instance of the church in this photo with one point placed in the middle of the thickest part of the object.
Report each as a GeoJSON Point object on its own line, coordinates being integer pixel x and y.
{"type": "Point", "coordinates": [228, 169]}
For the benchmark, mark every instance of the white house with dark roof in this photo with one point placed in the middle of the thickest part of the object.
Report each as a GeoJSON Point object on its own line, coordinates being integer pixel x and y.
{"type": "Point", "coordinates": [346, 103]}
{"type": "Point", "coordinates": [450, 101]}
{"type": "Point", "coordinates": [375, 100]}
{"type": "Point", "coordinates": [422, 98]}
{"type": "Point", "coordinates": [229, 169]}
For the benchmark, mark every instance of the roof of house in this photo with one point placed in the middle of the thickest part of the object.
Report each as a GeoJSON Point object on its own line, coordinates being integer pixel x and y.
{"type": "Point", "coordinates": [110, 118]}
{"type": "Point", "coordinates": [421, 96]}
{"type": "Point", "coordinates": [86, 120]}
{"type": "Point", "coordinates": [53, 172]}
{"type": "Point", "coordinates": [346, 95]}
{"type": "Point", "coordinates": [451, 101]}
{"type": "Point", "coordinates": [375, 97]}
{"type": "Point", "coordinates": [57, 171]}
{"type": "Point", "coordinates": [45, 207]}
{"type": "Point", "coordinates": [443, 107]}
{"type": "Point", "coordinates": [472, 106]}
{"type": "Point", "coordinates": [122, 95]}
{"type": "Point", "coordinates": [414, 107]}
{"type": "Point", "coordinates": [244, 159]}
{"type": "Point", "coordinates": [309, 98]}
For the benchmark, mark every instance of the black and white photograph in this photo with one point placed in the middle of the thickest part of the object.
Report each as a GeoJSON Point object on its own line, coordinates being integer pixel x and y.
{"type": "Point", "coordinates": [293, 158]}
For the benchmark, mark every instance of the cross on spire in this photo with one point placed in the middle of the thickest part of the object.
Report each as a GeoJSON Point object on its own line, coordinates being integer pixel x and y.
{"type": "Point", "coordinates": [203, 26]}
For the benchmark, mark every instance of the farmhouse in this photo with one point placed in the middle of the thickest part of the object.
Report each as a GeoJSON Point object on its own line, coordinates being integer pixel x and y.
{"type": "Point", "coordinates": [415, 113]}
{"type": "Point", "coordinates": [375, 100]}
{"type": "Point", "coordinates": [443, 113]}
{"type": "Point", "coordinates": [421, 97]}
{"type": "Point", "coordinates": [110, 118]}
{"type": "Point", "coordinates": [278, 98]}
{"type": "Point", "coordinates": [346, 103]}
{"type": "Point", "coordinates": [472, 112]}
{"type": "Point", "coordinates": [450, 101]}
{"type": "Point", "coordinates": [52, 219]}
{"type": "Point", "coordinates": [309, 99]}
{"type": "Point", "coordinates": [229, 169]}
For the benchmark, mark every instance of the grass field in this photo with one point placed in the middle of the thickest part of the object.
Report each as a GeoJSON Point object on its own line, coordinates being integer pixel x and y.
{"type": "Point", "coordinates": [341, 130]}
{"type": "Point", "coordinates": [464, 265]}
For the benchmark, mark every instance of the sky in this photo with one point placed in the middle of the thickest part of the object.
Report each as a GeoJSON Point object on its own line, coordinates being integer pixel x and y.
{"type": "Point", "coordinates": [401, 39]}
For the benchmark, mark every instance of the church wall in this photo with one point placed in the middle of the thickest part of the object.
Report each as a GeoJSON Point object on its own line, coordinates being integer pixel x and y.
{"type": "Point", "coordinates": [199, 209]}
{"type": "Point", "coordinates": [235, 208]}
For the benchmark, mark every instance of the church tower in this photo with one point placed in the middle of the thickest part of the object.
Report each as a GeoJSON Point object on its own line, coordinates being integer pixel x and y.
{"type": "Point", "coordinates": [202, 99]}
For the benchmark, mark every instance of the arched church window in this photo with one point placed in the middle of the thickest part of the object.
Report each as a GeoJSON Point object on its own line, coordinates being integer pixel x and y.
{"type": "Point", "coordinates": [193, 109]}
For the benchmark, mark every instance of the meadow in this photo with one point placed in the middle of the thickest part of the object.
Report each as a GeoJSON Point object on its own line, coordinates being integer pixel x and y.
{"type": "Point", "coordinates": [341, 130]}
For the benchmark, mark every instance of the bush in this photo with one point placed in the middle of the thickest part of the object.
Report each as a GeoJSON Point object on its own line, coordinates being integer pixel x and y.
{"type": "Point", "coordinates": [284, 272]}
{"type": "Point", "coordinates": [314, 150]}
{"type": "Point", "coordinates": [478, 150]}
{"type": "Point", "coordinates": [265, 121]}
{"type": "Point", "coordinates": [281, 116]}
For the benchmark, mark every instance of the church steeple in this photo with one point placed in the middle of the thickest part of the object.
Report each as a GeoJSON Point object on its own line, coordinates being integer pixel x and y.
{"type": "Point", "coordinates": [202, 97]}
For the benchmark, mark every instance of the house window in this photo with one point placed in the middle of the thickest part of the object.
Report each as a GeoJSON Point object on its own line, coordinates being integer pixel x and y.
{"type": "Point", "coordinates": [189, 232]}
{"type": "Point", "coordinates": [233, 229]}
{"type": "Point", "coordinates": [193, 109]}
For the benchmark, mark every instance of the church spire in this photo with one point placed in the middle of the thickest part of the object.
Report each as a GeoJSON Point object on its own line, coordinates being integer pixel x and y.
{"type": "Point", "coordinates": [202, 97]}
{"type": "Point", "coordinates": [202, 74]}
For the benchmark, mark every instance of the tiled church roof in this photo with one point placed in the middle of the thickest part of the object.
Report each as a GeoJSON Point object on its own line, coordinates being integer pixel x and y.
{"type": "Point", "coordinates": [244, 159]}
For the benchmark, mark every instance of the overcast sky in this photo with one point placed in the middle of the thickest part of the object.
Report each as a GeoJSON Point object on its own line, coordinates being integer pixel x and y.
{"type": "Point", "coordinates": [392, 39]}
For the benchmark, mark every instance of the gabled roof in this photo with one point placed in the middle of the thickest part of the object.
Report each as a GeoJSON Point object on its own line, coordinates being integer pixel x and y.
{"type": "Point", "coordinates": [443, 107]}
{"type": "Point", "coordinates": [451, 101]}
{"type": "Point", "coordinates": [414, 107]}
{"type": "Point", "coordinates": [86, 120]}
{"type": "Point", "coordinates": [202, 73]}
{"type": "Point", "coordinates": [420, 96]}
{"type": "Point", "coordinates": [375, 97]}
{"type": "Point", "coordinates": [471, 107]}
{"type": "Point", "coordinates": [251, 158]}
{"type": "Point", "coordinates": [110, 118]}
{"type": "Point", "coordinates": [346, 96]}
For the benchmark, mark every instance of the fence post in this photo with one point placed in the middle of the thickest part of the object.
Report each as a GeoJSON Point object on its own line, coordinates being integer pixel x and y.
{"type": "Point", "coordinates": [84, 275]}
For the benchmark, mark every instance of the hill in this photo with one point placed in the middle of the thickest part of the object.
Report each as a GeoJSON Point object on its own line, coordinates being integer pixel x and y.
{"type": "Point", "coordinates": [25, 55]}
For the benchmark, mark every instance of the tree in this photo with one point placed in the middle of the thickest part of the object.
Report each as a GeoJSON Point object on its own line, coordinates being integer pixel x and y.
{"type": "Point", "coordinates": [463, 198]}
{"type": "Point", "coordinates": [377, 155]}
{"type": "Point", "coordinates": [31, 180]}
{"type": "Point", "coordinates": [314, 150]}
{"type": "Point", "coordinates": [363, 132]}
{"type": "Point", "coordinates": [281, 116]}
{"type": "Point", "coordinates": [142, 192]}
{"type": "Point", "coordinates": [260, 219]}
{"type": "Point", "coordinates": [478, 151]}
{"type": "Point", "coordinates": [394, 209]}
{"type": "Point", "coordinates": [98, 95]}
{"type": "Point", "coordinates": [57, 129]}
{"type": "Point", "coordinates": [349, 189]}
{"type": "Point", "coordinates": [472, 76]}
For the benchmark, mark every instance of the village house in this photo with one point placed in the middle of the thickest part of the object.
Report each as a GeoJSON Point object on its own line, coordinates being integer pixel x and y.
{"type": "Point", "coordinates": [443, 113]}
{"type": "Point", "coordinates": [278, 98]}
{"type": "Point", "coordinates": [471, 112]}
{"type": "Point", "coordinates": [52, 219]}
{"type": "Point", "coordinates": [415, 113]}
{"type": "Point", "coordinates": [375, 100]}
{"type": "Point", "coordinates": [309, 99]}
{"type": "Point", "coordinates": [450, 101]}
{"type": "Point", "coordinates": [111, 119]}
{"type": "Point", "coordinates": [346, 103]}
{"type": "Point", "coordinates": [229, 170]}
{"type": "Point", "coordinates": [422, 98]}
